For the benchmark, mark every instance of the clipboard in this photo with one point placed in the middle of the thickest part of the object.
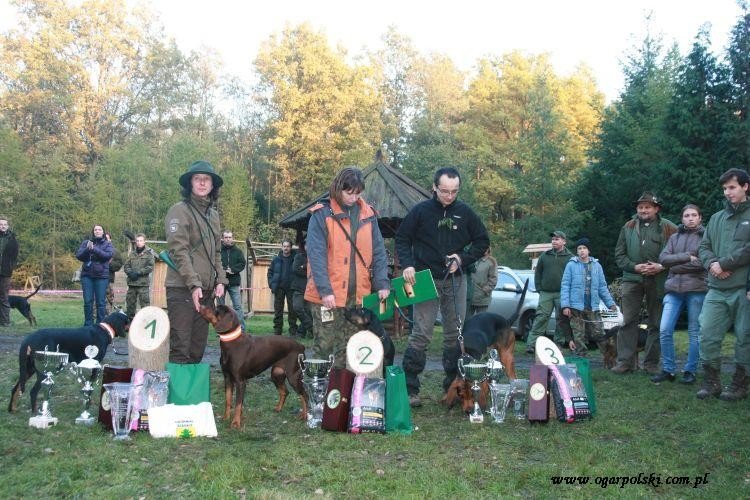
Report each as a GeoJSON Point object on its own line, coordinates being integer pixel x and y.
{"type": "Point", "coordinates": [404, 295]}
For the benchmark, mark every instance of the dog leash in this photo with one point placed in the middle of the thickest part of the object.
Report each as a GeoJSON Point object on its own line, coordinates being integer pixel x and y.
{"type": "Point", "coordinates": [459, 323]}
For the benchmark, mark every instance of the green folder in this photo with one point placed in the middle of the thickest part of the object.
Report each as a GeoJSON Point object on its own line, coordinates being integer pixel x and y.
{"type": "Point", "coordinates": [422, 291]}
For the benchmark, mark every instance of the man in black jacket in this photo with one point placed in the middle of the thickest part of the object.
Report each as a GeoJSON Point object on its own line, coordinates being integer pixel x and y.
{"type": "Point", "coordinates": [299, 283]}
{"type": "Point", "coordinates": [445, 236]}
{"type": "Point", "coordinates": [280, 281]}
{"type": "Point", "coordinates": [233, 262]}
{"type": "Point", "coordinates": [8, 258]}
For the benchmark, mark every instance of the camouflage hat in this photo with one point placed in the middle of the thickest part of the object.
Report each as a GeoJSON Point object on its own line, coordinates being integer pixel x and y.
{"type": "Point", "coordinates": [200, 167]}
{"type": "Point", "coordinates": [648, 197]}
{"type": "Point", "coordinates": [558, 234]}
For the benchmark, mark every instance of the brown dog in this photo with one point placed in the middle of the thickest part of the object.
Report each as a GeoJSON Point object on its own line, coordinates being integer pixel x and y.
{"type": "Point", "coordinates": [244, 356]}
{"type": "Point", "coordinates": [482, 331]}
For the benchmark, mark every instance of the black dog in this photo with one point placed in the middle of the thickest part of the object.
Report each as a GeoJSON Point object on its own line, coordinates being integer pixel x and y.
{"type": "Point", "coordinates": [480, 332]}
{"type": "Point", "coordinates": [367, 320]}
{"type": "Point", "coordinates": [23, 306]}
{"type": "Point", "coordinates": [70, 340]}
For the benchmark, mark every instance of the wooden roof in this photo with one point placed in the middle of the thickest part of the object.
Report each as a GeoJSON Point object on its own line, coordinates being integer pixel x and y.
{"type": "Point", "coordinates": [387, 189]}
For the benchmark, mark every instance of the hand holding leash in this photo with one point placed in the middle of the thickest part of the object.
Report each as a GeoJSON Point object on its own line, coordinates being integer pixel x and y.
{"type": "Point", "coordinates": [452, 262]}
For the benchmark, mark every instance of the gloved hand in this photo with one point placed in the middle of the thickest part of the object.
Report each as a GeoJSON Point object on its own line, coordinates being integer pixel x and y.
{"type": "Point", "coordinates": [133, 275]}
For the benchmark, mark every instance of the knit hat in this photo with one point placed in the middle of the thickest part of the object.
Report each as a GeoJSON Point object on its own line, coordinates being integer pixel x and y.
{"type": "Point", "coordinates": [200, 167]}
{"type": "Point", "coordinates": [585, 242]}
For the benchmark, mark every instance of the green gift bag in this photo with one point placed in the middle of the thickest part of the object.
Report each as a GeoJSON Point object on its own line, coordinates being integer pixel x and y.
{"type": "Point", "coordinates": [584, 371]}
{"type": "Point", "coordinates": [397, 409]}
{"type": "Point", "coordinates": [188, 383]}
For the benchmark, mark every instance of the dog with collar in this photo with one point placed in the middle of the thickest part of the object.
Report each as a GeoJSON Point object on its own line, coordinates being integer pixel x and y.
{"type": "Point", "coordinates": [481, 332]}
{"type": "Point", "coordinates": [70, 340]}
{"type": "Point", "coordinates": [244, 356]}
{"type": "Point", "coordinates": [22, 305]}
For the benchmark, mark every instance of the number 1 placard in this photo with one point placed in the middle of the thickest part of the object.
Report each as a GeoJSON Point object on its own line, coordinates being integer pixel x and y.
{"type": "Point", "coordinates": [149, 328]}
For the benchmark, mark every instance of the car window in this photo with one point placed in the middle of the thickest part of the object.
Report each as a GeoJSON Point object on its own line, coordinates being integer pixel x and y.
{"type": "Point", "coordinates": [505, 279]}
{"type": "Point", "coordinates": [530, 276]}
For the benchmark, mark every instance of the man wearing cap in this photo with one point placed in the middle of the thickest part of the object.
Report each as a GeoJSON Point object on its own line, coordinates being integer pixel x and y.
{"type": "Point", "coordinates": [637, 252]}
{"type": "Point", "coordinates": [194, 244]}
{"type": "Point", "coordinates": [547, 277]}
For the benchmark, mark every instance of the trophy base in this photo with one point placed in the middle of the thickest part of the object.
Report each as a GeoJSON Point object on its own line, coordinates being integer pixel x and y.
{"type": "Point", "coordinates": [85, 420]}
{"type": "Point", "coordinates": [42, 421]}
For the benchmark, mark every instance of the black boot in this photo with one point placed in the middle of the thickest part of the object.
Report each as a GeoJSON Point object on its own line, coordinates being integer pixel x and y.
{"type": "Point", "coordinates": [413, 364]}
{"type": "Point", "coordinates": [711, 383]}
{"type": "Point", "coordinates": [450, 366]}
{"type": "Point", "coordinates": [738, 388]}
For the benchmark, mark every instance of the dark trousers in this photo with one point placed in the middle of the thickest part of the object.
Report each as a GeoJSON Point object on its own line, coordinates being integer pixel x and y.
{"type": "Point", "coordinates": [94, 291]}
{"type": "Point", "coordinates": [188, 331]}
{"type": "Point", "coordinates": [4, 304]}
{"type": "Point", "coordinates": [281, 296]}
{"type": "Point", "coordinates": [633, 294]}
{"type": "Point", "coordinates": [302, 310]}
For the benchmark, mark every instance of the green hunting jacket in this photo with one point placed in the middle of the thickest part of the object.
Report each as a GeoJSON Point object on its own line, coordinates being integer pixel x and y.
{"type": "Point", "coordinates": [639, 243]}
{"type": "Point", "coordinates": [727, 240]}
{"type": "Point", "coordinates": [550, 268]}
{"type": "Point", "coordinates": [141, 264]}
{"type": "Point", "coordinates": [194, 243]}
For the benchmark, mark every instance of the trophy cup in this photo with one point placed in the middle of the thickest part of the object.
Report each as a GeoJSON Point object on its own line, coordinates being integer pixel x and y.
{"type": "Point", "coordinates": [499, 393]}
{"type": "Point", "coordinates": [120, 403]}
{"type": "Point", "coordinates": [473, 372]}
{"type": "Point", "coordinates": [87, 372]}
{"type": "Point", "coordinates": [519, 391]}
{"type": "Point", "coordinates": [315, 379]}
{"type": "Point", "coordinates": [53, 362]}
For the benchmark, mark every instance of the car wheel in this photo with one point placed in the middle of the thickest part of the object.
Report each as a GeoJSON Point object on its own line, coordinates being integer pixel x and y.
{"type": "Point", "coordinates": [525, 324]}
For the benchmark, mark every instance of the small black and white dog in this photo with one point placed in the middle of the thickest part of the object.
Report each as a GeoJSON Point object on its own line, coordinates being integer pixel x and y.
{"type": "Point", "coordinates": [70, 340]}
{"type": "Point", "coordinates": [22, 305]}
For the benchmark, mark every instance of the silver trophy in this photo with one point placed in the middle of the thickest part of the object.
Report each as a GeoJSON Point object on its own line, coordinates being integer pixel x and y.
{"type": "Point", "coordinates": [315, 379]}
{"type": "Point", "coordinates": [52, 362]}
{"type": "Point", "coordinates": [519, 393]}
{"type": "Point", "coordinates": [499, 393]}
{"type": "Point", "coordinates": [120, 396]}
{"type": "Point", "coordinates": [87, 371]}
{"type": "Point", "coordinates": [473, 372]}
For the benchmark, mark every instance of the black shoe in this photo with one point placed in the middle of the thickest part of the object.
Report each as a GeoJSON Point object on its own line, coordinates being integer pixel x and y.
{"type": "Point", "coordinates": [688, 378]}
{"type": "Point", "coordinates": [664, 376]}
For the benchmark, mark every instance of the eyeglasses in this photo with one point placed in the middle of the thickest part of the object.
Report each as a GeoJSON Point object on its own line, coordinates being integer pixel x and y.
{"type": "Point", "coordinates": [446, 192]}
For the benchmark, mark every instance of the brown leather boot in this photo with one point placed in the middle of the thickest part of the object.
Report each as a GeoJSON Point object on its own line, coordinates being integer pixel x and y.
{"type": "Point", "coordinates": [738, 388]}
{"type": "Point", "coordinates": [711, 383]}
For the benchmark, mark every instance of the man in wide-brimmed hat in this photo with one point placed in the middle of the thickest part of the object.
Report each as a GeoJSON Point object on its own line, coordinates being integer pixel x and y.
{"type": "Point", "coordinates": [637, 252]}
{"type": "Point", "coordinates": [194, 242]}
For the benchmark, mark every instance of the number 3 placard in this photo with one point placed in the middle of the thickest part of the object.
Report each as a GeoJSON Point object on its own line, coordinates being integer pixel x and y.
{"type": "Point", "coordinates": [364, 354]}
{"type": "Point", "coordinates": [149, 328]}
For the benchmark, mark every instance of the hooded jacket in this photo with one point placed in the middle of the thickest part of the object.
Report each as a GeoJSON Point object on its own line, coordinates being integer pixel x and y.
{"type": "Point", "coordinates": [572, 287]}
{"type": "Point", "coordinates": [95, 261]}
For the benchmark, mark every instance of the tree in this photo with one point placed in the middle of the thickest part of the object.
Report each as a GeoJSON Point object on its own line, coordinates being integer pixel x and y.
{"type": "Point", "coordinates": [632, 151]}
{"type": "Point", "coordinates": [321, 114]}
{"type": "Point", "coordinates": [738, 55]}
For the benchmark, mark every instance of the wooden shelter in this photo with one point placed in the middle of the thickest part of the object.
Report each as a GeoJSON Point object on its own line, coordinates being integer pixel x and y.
{"type": "Point", "coordinates": [387, 189]}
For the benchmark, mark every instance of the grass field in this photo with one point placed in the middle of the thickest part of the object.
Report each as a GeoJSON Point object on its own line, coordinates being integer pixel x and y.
{"type": "Point", "coordinates": [653, 434]}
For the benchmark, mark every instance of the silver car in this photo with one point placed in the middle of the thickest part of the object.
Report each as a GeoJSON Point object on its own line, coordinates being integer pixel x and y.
{"type": "Point", "coordinates": [507, 292]}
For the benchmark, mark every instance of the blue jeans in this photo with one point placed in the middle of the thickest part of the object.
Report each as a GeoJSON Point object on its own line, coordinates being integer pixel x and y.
{"type": "Point", "coordinates": [236, 295]}
{"type": "Point", "coordinates": [673, 303]}
{"type": "Point", "coordinates": [94, 289]}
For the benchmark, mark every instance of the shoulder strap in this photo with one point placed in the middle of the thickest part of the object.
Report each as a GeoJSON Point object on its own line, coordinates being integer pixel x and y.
{"type": "Point", "coordinates": [348, 236]}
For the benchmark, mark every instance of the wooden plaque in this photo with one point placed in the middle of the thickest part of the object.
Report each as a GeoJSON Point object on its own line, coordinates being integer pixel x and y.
{"type": "Point", "coordinates": [148, 339]}
{"type": "Point", "coordinates": [338, 398]}
{"type": "Point", "coordinates": [539, 393]}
